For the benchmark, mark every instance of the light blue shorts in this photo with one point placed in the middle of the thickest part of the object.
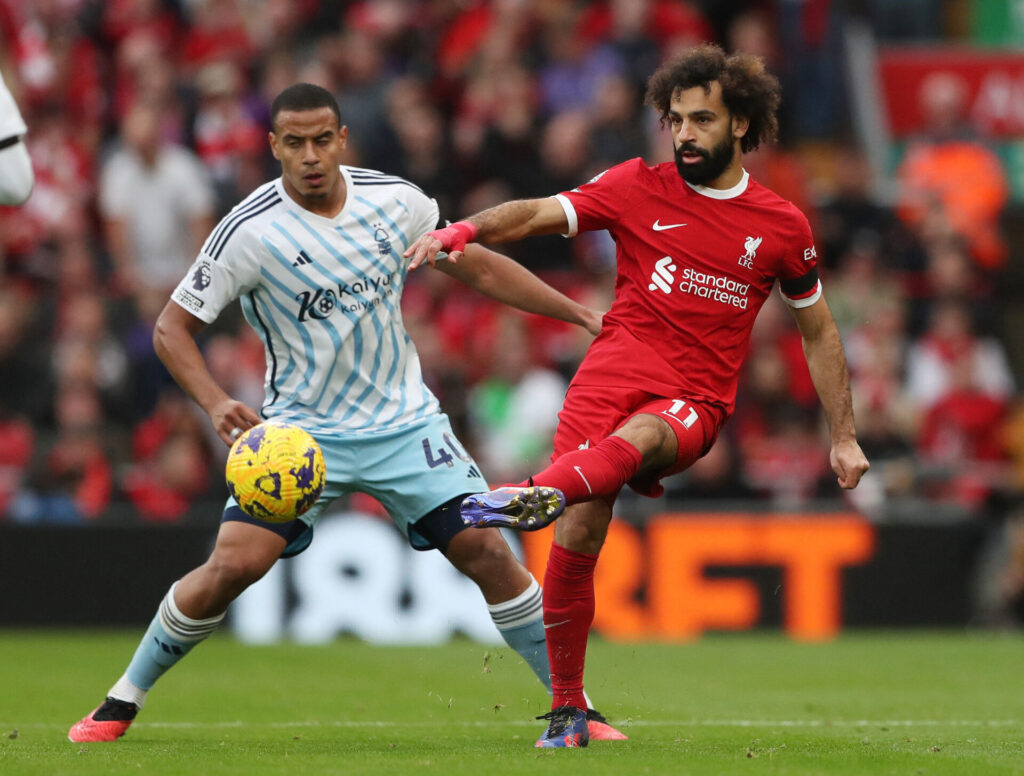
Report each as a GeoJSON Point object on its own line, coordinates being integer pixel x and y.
{"type": "Point", "coordinates": [410, 472]}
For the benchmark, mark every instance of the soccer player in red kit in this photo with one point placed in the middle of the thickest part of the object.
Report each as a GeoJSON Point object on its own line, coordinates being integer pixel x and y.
{"type": "Point", "coordinates": [699, 247]}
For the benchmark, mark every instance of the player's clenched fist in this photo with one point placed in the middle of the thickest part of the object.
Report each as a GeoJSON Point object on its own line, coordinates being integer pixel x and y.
{"type": "Point", "coordinates": [451, 240]}
{"type": "Point", "coordinates": [849, 463]}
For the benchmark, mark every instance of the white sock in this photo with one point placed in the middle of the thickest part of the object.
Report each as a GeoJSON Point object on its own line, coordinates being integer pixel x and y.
{"type": "Point", "coordinates": [124, 690]}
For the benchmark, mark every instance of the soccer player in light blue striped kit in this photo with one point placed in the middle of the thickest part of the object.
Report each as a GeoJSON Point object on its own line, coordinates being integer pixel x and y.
{"type": "Point", "coordinates": [16, 175]}
{"type": "Point", "coordinates": [316, 259]}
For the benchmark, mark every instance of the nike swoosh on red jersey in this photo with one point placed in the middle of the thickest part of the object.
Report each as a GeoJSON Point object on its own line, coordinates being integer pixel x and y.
{"type": "Point", "coordinates": [660, 227]}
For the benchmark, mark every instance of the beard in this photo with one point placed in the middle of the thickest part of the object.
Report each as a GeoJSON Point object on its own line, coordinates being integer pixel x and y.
{"type": "Point", "coordinates": [712, 164]}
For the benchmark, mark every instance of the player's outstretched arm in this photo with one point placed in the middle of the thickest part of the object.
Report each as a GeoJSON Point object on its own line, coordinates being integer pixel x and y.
{"type": "Point", "coordinates": [174, 340]}
{"type": "Point", "coordinates": [501, 278]}
{"type": "Point", "coordinates": [823, 350]}
{"type": "Point", "coordinates": [503, 223]}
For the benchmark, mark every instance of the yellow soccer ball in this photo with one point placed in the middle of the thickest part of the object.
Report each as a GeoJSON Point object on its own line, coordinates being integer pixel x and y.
{"type": "Point", "coordinates": [275, 471]}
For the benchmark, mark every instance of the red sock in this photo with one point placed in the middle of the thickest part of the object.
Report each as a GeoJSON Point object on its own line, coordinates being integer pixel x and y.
{"type": "Point", "coordinates": [596, 472]}
{"type": "Point", "coordinates": [568, 615]}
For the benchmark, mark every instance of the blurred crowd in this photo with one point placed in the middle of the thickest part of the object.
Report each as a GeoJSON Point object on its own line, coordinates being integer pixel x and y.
{"type": "Point", "coordinates": [147, 122]}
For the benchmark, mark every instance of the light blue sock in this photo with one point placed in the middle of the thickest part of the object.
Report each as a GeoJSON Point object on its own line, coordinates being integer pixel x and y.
{"type": "Point", "coordinates": [168, 639]}
{"type": "Point", "coordinates": [521, 623]}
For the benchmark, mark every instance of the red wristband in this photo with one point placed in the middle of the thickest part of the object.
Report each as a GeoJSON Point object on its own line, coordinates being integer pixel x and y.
{"type": "Point", "coordinates": [455, 236]}
{"type": "Point", "coordinates": [467, 233]}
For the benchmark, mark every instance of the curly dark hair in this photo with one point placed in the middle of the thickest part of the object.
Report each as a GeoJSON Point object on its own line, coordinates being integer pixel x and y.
{"type": "Point", "coordinates": [748, 89]}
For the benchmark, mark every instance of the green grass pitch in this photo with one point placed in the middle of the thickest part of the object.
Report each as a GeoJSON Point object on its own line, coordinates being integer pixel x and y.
{"type": "Point", "coordinates": [868, 703]}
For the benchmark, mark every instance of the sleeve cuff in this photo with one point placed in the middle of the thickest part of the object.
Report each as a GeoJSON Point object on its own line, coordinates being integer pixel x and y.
{"type": "Point", "coordinates": [193, 304]}
{"type": "Point", "coordinates": [570, 215]}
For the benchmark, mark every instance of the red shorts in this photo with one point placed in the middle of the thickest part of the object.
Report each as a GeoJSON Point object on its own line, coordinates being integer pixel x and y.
{"type": "Point", "coordinates": [592, 412]}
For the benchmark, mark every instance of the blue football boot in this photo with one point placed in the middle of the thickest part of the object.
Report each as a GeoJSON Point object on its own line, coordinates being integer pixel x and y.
{"type": "Point", "coordinates": [524, 508]}
{"type": "Point", "coordinates": [567, 728]}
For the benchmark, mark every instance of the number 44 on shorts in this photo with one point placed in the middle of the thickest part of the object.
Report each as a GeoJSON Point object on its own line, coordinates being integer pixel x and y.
{"type": "Point", "coordinates": [439, 455]}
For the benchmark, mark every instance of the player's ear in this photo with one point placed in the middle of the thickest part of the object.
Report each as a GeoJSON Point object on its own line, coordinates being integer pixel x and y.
{"type": "Point", "coordinates": [740, 125]}
{"type": "Point", "coordinates": [272, 139]}
{"type": "Point", "coordinates": [343, 135]}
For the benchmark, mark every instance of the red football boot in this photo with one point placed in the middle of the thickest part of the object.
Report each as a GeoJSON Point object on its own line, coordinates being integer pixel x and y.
{"type": "Point", "coordinates": [107, 722]}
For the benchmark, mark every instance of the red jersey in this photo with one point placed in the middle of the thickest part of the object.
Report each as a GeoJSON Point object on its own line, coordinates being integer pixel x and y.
{"type": "Point", "coordinates": [694, 267]}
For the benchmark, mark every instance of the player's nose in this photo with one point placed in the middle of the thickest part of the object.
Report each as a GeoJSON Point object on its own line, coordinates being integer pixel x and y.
{"type": "Point", "coordinates": [685, 132]}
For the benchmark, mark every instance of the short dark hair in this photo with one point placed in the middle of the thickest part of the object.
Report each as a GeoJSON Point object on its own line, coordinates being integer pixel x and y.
{"type": "Point", "coordinates": [748, 89]}
{"type": "Point", "coordinates": [301, 97]}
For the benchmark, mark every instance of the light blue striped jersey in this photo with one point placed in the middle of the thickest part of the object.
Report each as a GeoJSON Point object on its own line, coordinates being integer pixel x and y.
{"type": "Point", "coordinates": [324, 296]}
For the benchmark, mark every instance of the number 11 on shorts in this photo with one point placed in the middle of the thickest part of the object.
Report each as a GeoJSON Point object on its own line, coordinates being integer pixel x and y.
{"type": "Point", "coordinates": [677, 407]}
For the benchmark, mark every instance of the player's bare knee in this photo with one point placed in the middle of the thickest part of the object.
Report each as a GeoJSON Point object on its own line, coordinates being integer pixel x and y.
{"type": "Point", "coordinates": [480, 554]}
{"type": "Point", "coordinates": [581, 538]}
{"type": "Point", "coordinates": [235, 570]}
{"type": "Point", "coordinates": [582, 529]}
{"type": "Point", "coordinates": [652, 436]}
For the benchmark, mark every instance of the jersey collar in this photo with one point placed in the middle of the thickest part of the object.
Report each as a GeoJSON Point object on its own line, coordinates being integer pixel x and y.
{"type": "Point", "coordinates": [730, 193]}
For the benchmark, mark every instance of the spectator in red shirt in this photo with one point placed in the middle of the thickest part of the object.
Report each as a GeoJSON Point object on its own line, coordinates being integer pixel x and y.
{"type": "Point", "coordinates": [74, 480]}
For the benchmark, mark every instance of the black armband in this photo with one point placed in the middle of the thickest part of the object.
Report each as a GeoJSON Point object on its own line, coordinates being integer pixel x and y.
{"type": "Point", "coordinates": [799, 286]}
